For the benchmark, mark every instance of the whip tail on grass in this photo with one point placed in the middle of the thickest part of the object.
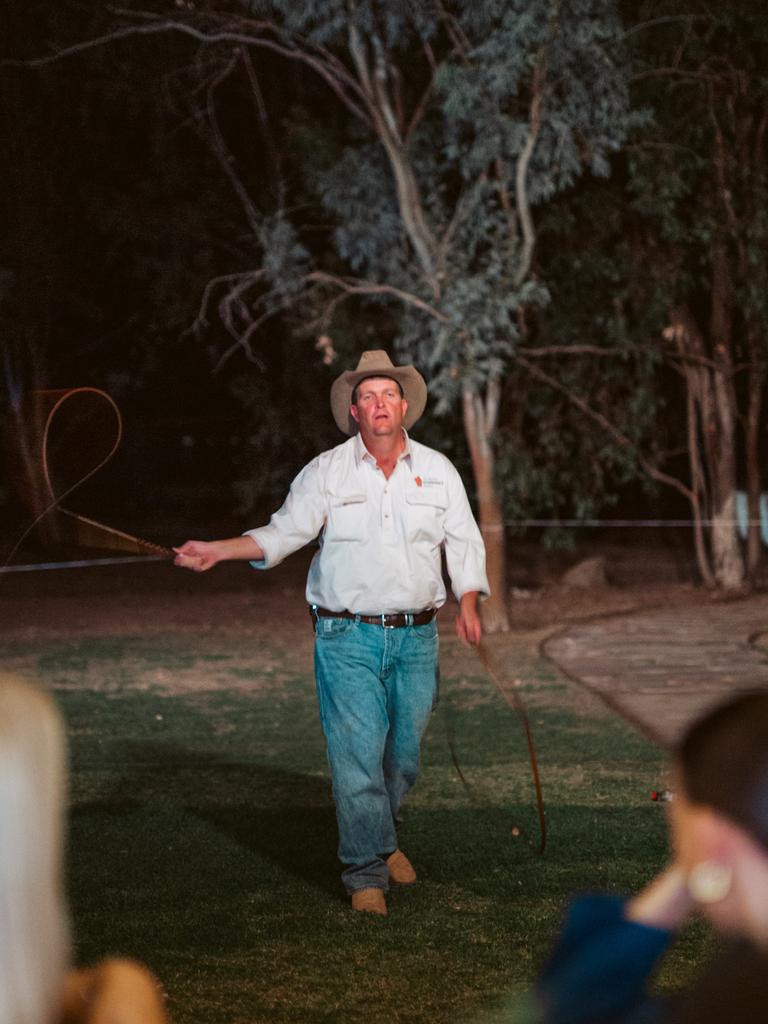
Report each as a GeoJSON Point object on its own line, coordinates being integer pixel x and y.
{"type": "Point", "coordinates": [516, 703]}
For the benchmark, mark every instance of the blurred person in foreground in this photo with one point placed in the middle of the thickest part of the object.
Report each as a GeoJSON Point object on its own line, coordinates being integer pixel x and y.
{"type": "Point", "coordinates": [37, 983]}
{"type": "Point", "coordinates": [385, 507]}
{"type": "Point", "coordinates": [609, 947]}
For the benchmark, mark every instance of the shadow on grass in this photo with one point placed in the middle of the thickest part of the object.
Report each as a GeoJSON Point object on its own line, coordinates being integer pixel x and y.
{"type": "Point", "coordinates": [298, 838]}
{"type": "Point", "coordinates": [287, 817]}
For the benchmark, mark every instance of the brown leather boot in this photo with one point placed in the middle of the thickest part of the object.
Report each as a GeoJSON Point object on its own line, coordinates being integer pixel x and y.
{"type": "Point", "coordinates": [400, 869]}
{"type": "Point", "coordinates": [370, 900]}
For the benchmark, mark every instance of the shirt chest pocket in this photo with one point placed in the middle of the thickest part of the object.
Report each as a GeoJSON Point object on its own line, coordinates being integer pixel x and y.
{"type": "Point", "coordinates": [425, 512]}
{"type": "Point", "coordinates": [347, 516]}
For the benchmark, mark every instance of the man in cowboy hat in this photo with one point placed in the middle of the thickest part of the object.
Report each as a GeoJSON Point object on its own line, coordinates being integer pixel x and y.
{"type": "Point", "coordinates": [385, 507]}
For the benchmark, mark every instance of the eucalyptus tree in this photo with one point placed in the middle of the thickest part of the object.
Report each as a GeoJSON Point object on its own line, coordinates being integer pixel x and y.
{"type": "Point", "coordinates": [504, 107]}
{"type": "Point", "coordinates": [460, 122]}
{"type": "Point", "coordinates": [671, 253]}
{"type": "Point", "coordinates": [699, 185]}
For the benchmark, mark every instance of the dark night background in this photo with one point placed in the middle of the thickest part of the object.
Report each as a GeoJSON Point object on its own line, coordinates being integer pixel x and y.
{"type": "Point", "coordinates": [115, 216]}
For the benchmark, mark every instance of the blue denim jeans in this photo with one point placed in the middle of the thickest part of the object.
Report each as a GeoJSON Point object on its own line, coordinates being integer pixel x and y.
{"type": "Point", "coordinates": [376, 688]}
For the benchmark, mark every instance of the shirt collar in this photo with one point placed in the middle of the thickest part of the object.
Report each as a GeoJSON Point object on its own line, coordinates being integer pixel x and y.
{"type": "Point", "coordinates": [407, 452]}
{"type": "Point", "coordinates": [361, 452]}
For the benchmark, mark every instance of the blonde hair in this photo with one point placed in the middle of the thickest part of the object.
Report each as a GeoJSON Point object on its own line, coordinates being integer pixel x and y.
{"type": "Point", "coordinates": [34, 929]}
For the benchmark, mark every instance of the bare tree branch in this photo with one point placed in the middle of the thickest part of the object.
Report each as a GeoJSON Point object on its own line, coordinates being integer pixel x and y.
{"type": "Point", "coordinates": [509, 210]}
{"type": "Point", "coordinates": [233, 300]}
{"type": "Point", "coordinates": [344, 86]}
{"type": "Point", "coordinates": [243, 341]}
{"type": "Point", "coordinates": [674, 72]}
{"type": "Point", "coordinates": [466, 203]}
{"type": "Point", "coordinates": [666, 20]}
{"type": "Point", "coordinates": [373, 83]}
{"type": "Point", "coordinates": [569, 350]}
{"type": "Point", "coordinates": [274, 156]}
{"type": "Point", "coordinates": [354, 286]}
{"type": "Point", "coordinates": [461, 41]}
{"type": "Point", "coordinates": [619, 438]}
{"type": "Point", "coordinates": [221, 150]}
{"type": "Point", "coordinates": [200, 320]}
{"type": "Point", "coordinates": [492, 403]}
{"type": "Point", "coordinates": [521, 176]}
{"type": "Point", "coordinates": [384, 104]}
{"type": "Point", "coordinates": [421, 105]}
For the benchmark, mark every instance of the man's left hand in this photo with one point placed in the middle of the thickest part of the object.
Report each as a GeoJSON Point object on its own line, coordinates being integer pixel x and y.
{"type": "Point", "coordinates": [468, 627]}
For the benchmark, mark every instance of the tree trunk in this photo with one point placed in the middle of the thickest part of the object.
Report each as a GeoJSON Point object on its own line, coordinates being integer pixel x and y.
{"type": "Point", "coordinates": [712, 415]}
{"type": "Point", "coordinates": [478, 421]}
{"type": "Point", "coordinates": [754, 480]}
{"type": "Point", "coordinates": [726, 551]}
{"type": "Point", "coordinates": [692, 376]}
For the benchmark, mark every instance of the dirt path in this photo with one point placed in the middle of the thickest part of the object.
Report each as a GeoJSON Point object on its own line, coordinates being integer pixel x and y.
{"type": "Point", "coordinates": [662, 668]}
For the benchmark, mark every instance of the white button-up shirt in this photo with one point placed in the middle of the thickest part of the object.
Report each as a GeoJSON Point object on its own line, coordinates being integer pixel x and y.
{"type": "Point", "coordinates": [381, 539]}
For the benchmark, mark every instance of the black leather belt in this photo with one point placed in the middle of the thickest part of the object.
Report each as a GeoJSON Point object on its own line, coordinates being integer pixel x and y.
{"type": "Point", "coordinates": [392, 620]}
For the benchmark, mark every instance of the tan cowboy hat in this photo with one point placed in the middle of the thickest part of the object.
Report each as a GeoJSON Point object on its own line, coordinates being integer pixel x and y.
{"type": "Point", "coordinates": [376, 363]}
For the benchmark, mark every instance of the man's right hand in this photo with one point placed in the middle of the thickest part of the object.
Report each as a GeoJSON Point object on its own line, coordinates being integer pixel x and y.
{"type": "Point", "coordinates": [197, 555]}
{"type": "Point", "coordinates": [200, 555]}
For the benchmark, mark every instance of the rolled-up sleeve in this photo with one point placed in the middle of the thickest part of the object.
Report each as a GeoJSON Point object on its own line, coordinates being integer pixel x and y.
{"type": "Point", "coordinates": [296, 523]}
{"type": "Point", "coordinates": [464, 547]}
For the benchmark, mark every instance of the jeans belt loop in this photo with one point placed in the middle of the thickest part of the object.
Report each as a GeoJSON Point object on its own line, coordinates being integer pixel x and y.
{"type": "Point", "coordinates": [384, 621]}
{"type": "Point", "coordinates": [409, 618]}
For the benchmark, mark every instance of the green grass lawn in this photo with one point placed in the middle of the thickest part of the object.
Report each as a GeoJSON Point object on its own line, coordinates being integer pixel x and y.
{"type": "Point", "coordinates": [202, 834]}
